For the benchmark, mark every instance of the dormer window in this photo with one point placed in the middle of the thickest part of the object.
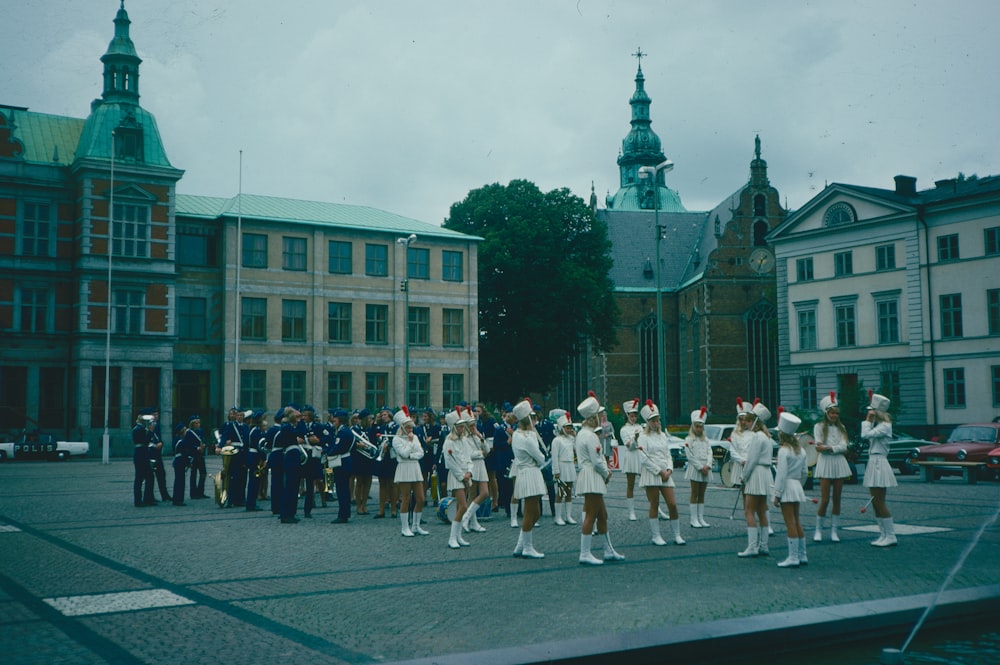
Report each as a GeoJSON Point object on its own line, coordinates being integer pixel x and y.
{"type": "Point", "coordinates": [839, 213]}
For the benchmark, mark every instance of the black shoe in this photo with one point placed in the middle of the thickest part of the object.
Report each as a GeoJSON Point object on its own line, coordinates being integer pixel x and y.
{"type": "Point", "coordinates": [308, 516]}
{"type": "Point", "coordinates": [379, 517]}
{"type": "Point", "coordinates": [180, 504]}
{"type": "Point", "coordinates": [141, 505]}
{"type": "Point", "coordinates": [290, 520]}
{"type": "Point", "coordinates": [339, 520]}
{"type": "Point", "coordinates": [151, 503]}
{"type": "Point", "coordinates": [254, 510]}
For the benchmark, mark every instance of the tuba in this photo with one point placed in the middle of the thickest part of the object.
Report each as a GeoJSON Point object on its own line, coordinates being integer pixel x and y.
{"type": "Point", "coordinates": [363, 445]}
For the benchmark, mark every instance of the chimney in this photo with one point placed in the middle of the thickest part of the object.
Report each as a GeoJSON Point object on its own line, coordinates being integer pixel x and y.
{"type": "Point", "coordinates": [906, 184]}
{"type": "Point", "coordinates": [946, 183]}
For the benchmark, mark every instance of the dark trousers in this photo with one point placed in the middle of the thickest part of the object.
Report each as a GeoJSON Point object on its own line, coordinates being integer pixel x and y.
{"type": "Point", "coordinates": [160, 473]}
{"type": "Point", "coordinates": [198, 476]}
{"type": "Point", "coordinates": [276, 463]}
{"type": "Point", "coordinates": [237, 480]}
{"type": "Point", "coordinates": [180, 475]}
{"type": "Point", "coordinates": [253, 480]}
{"type": "Point", "coordinates": [505, 491]}
{"type": "Point", "coordinates": [142, 486]}
{"type": "Point", "coordinates": [290, 493]}
{"type": "Point", "coordinates": [342, 483]}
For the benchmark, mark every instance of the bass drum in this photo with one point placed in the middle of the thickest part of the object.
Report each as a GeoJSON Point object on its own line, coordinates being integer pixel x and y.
{"type": "Point", "coordinates": [446, 510]}
{"type": "Point", "coordinates": [808, 444]}
{"type": "Point", "coordinates": [726, 471]}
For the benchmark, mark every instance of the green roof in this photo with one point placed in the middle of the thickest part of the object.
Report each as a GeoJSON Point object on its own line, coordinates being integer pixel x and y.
{"type": "Point", "coordinates": [251, 206]}
{"type": "Point", "coordinates": [47, 139]}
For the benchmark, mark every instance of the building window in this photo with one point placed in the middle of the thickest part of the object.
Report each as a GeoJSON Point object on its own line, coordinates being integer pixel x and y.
{"type": "Point", "coordinates": [807, 392]}
{"type": "Point", "coordinates": [253, 322]}
{"type": "Point", "coordinates": [254, 250]}
{"type": "Point", "coordinates": [418, 326]}
{"type": "Point", "coordinates": [885, 257]}
{"type": "Point", "coordinates": [253, 388]}
{"type": "Point", "coordinates": [839, 213]}
{"type": "Point", "coordinates": [377, 260]}
{"type": "Point", "coordinates": [339, 322]}
{"type": "Point", "coordinates": [131, 230]}
{"type": "Point", "coordinates": [376, 389]}
{"type": "Point", "coordinates": [451, 266]}
{"type": "Point", "coordinates": [293, 253]}
{"type": "Point", "coordinates": [762, 359]}
{"type": "Point", "coordinates": [376, 324]}
{"type": "Point", "coordinates": [991, 239]}
{"type": "Point", "coordinates": [195, 250]}
{"type": "Point", "coordinates": [807, 330]}
{"type": "Point", "coordinates": [452, 327]}
{"type": "Point", "coordinates": [845, 325]}
{"type": "Point", "coordinates": [954, 388]}
{"type": "Point", "coordinates": [887, 312]}
{"type": "Point", "coordinates": [36, 230]}
{"type": "Point", "coordinates": [996, 385]}
{"type": "Point", "coordinates": [418, 263]}
{"type": "Point", "coordinates": [804, 270]}
{"type": "Point", "coordinates": [293, 387]}
{"type": "Point", "coordinates": [648, 358]}
{"type": "Point", "coordinates": [760, 233]}
{"type": "Point", "coordinates": [418, 392]}
{"type": "Point", "coordinates": [843, 264]}
{"type": "Point", "coordinates": [340, 257]}
{"type": "Point", "coordinates": [993, 311]}
{"type": "Point", "coordinates": [293, 320]}
{"type": "Point", "coordinates": [889, 385]}
{"type": "Point", "coordinates": [951, 315]}
{"type": "Point", "coordinates": [948, 247]}
{"type": "Point", "coordinates": [338, 390]}
{"type": "Point", "coordinates": [34, 310]}
{"type": "Point", "coordinates": [759, 205]}
{"type": "Point", "coordinates": [128, 312]}
{"type": "Point", "coordinates": [452, 389]}
{"type": "Point", "coordinates": [191, 321]}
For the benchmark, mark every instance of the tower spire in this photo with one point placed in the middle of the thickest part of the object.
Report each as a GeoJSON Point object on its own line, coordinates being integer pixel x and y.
{"type": "Point", "coordinates": [121, 63]}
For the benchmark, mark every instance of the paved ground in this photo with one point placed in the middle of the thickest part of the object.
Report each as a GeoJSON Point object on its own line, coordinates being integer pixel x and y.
{"type": "Point", "coordinates": [200, 584]}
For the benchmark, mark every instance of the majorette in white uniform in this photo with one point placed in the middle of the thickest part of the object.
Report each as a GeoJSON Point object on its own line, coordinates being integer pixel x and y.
{"type": "Point", "coordinates": [529, 457]}
{"type": "Point", "coordinates": [592, 479]}
{"type": "Point", "coordinates": [630, 462]}
{"type": "Point", "coordinates": [830, 463]}
{"type": "Point", "coordinates": [562, 451]}
{"type": "Point", "coordinates": [654, 453]}
{"type": "Point", "coordinates": [739, 440]}
{"type": "Point", "coordinates": [878, 473]}
{"type": "Point", "coordinates": [757, 470]}
{"type": "Point", "coordinates": [790, 473]}
{"type": "Point", "coordinates": [456, 453]}
{"type": "Point", "coordinates": [409, 452]}
{"type": "Point", "coordinates": [699, 451]}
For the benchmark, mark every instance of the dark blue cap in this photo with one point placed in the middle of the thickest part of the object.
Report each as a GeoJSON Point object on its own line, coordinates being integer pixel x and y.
{"type": "Point", "coordinates": [235, 408]}
{"type": "Point", "coordinates": [308, 407]}
{"type": "Point", "coordinates": [148, 411]}
{"type": "Point", "coordinates": [507, 406]}
{"type": "Point", "coordinates": [193, 417]}
{"type": "Point", "coordinates": [364, 413]}
{"type": "Point", "coordinates": [178, 427]}
{"type": "Point", "coordinates": [279, 414]}
{"type": "Point", "coordinates": [429, 410]}
{"type": "Point", "coordinates": [339, 413]}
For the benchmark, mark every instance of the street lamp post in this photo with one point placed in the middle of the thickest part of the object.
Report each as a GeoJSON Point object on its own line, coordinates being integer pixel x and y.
{"type": "Point", "coordinates": [404, 286]}
{"type": "Point", "coordinates": [653, 172]}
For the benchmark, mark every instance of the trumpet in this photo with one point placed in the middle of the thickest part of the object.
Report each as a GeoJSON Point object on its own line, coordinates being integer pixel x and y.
{"type": "Point", "coordinates": [364, 446]}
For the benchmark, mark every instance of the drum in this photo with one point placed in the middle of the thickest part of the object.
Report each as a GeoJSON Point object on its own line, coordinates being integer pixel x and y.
{"type": "Point", "coordinates": [727, 473]}
{"type": "Point", "coordinates": [446, 510]}
{"type": "Point", "coordinates": [808, 444]}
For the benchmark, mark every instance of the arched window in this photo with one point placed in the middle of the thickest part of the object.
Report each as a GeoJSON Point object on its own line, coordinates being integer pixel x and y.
{"type": "Point", "coordinates": [762, 353]}
{"type": "Point", "coordinates": [649, 359]}
{"type": "Point", "coordinates": [839, 213]}
{"type": "Point", "coordinates": [760, 205]}
{"type": "Point", "coordinates": [760, 233]}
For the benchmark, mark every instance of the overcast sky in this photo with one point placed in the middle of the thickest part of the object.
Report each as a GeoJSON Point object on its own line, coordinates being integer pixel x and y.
{"type": "Point", "coordinates": [408, 105]}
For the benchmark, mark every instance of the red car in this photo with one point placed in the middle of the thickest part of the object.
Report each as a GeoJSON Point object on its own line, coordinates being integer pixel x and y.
{"type": "Point", "coordinates": [993, 459]}
{"type": "Point", "coordinates": [975, 442]}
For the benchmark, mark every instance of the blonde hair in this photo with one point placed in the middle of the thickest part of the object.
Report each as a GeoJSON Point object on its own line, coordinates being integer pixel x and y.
{"type": "Point", "coordinates": [789, 440]}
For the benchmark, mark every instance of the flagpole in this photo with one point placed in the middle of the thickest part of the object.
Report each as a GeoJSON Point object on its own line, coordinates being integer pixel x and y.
{"type": "Point", "coordinates": [239, 305]}
{"type": "Point", "coordinates": [106, 439]}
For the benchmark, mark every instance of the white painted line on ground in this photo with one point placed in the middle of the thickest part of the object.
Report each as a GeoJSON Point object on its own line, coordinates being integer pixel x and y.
{"type": "Point", "coordinates": [125, 601]}
{"type": "Point", "coordinates": [8, 528]}
{"type": "Point", "coordinates": [901, 529]}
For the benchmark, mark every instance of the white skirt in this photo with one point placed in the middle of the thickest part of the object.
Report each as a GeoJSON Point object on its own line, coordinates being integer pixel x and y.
{"type": "Point", "coordinates": [878, 473]}
{"type": "Point", "coordinates": [479, 473]}
{"type": "Point", "coordinates": [529, 483]}
{"type": "Point", "coordinates": [692, 473]}
{"type": "Point", "coordinates": [759, 483]}
{"type": "Point", "coordinates": [630, 462]}
{"type": "Point", "coordinates": [736, 473]}
{"type": "Point", "coordinates": [589, 481]}
{"type": "Point", "coordinates": [832, 466]}
{"type": "Point", "coordinates": [408, 471]}
{"type": "Point", "coordinates": [455, 481]}
{"type": "Point", "coordinates": [650, 479]}
{"type": "Point", "coordinates": [793, 492]}
{"type": "Point", "coordinates": [567, 472]}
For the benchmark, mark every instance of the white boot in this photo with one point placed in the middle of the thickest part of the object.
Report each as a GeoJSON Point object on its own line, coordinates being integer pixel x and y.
{"type": "Point", "coordinates": [569, 512]}
{"type": "Point", "coordinates": [695, 524]}
{"type": "Point", "coordinates": [889, 540]}
{"type": "Point", "coordinates": [793, 555]}
{"type": "Point", "coordinates": [664, 515]}
{"type": "Point", "coordinates": [654, 526]}
{"type": "Point", "coordinates": [456, 526]}
{"type": "Point", "coordinates": [513, 515]}
{"type": "Point", "coordinates": [631, 509]}
{"type": "Point", "coordinates": [519, 548]}
{"type": "Point", "coordinates": [701, 516]}
{"type": "Point", "coordinates": [404, 519]}
{"type": "Point", "coordinates": [881, 532]}
{"type": "Point", "coordinates": [559, 515]}
{"type": "Point", "coordinates": [802, 552]}
{"type": "Point", "coordinates": [762, 548]}
{"type": "Point", "coordinates": [417, 529]}
{"type": "Point", "coordinates": [529, 550]}
{"type": "Point", "coordinates": [469, 512]}
{"type": "Point", "coordinates": [753, 543]}
{"type": "Point", "coordinates": [818, 534]}
{"type": "Point", "coordinates": [833, 529]}
{"type": "Point", "coordinates": [676, 526]}
{"type": "Point", "coordinates": [609, 551]}
{"type": "Point", "coordinates": [586, 556]}
{"type": "Point", "coordinates": [474, 521]}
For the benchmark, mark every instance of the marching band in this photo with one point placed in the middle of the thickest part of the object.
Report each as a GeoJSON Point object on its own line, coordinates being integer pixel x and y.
{"type": "Point", "coordinates": [446, 459]}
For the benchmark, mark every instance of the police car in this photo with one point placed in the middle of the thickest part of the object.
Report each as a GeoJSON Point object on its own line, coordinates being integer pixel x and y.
{"type": "Point", "coordinates": [35, 445]}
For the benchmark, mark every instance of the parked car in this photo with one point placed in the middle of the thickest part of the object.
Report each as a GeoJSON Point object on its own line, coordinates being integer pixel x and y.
{"type": "Point", "coordinates": [993, 459]}
{"type": "Point", "coordinates": [718, 436]}
{"type": "Point", "coordinates": [35, 445]}
{"type": "Point", "coordinates": [967, 443]}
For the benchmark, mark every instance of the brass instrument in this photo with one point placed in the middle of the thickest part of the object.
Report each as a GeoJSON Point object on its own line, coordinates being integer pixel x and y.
{"type": "Point", "coordinates": [381, 452]}
{"type": "Point", "coordinates": [222, 478]}
{"type": "Point", "coordinates": [366, 447]}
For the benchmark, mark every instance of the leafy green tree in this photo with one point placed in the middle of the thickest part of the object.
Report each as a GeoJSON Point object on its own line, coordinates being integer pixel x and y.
{"type": "Point", "coordinates": [543, 283]}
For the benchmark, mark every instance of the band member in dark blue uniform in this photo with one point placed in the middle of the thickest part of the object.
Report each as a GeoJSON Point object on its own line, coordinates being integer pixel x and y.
{"type": "Point", "coordinates": [255, 455]}
{"type": "Point", "coordinates": [198, 471]}
{"type": "Point", "coordinates": [290, 439]}
{"type": "Point", "coordinates": [236, 434]}
{"type": "Point", "coordinates": [385, 467]}
{"type": "Point", "coordinates": [428, 433]}
{"type": "Point", "coordinates": [312, 472]}
{"type": "Point", "coordinates": [547, 429]}
{"type": "Point", "coordinates": [504, 455]}
{"type": "Point", "coordinates": [184, 452]}
{"type": "Point", "coordinates": [156, 455]}
{"type": "Point", "coordinates": [362, 466]}
{"type": "Point", "coordinates": [337, 443]}
{"type": "Point", "coordinates": [276, 461]}
{"type": "Point", "coordinates": [142, 486]}
{"type": "Point", "coordinates": [441, 468]}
